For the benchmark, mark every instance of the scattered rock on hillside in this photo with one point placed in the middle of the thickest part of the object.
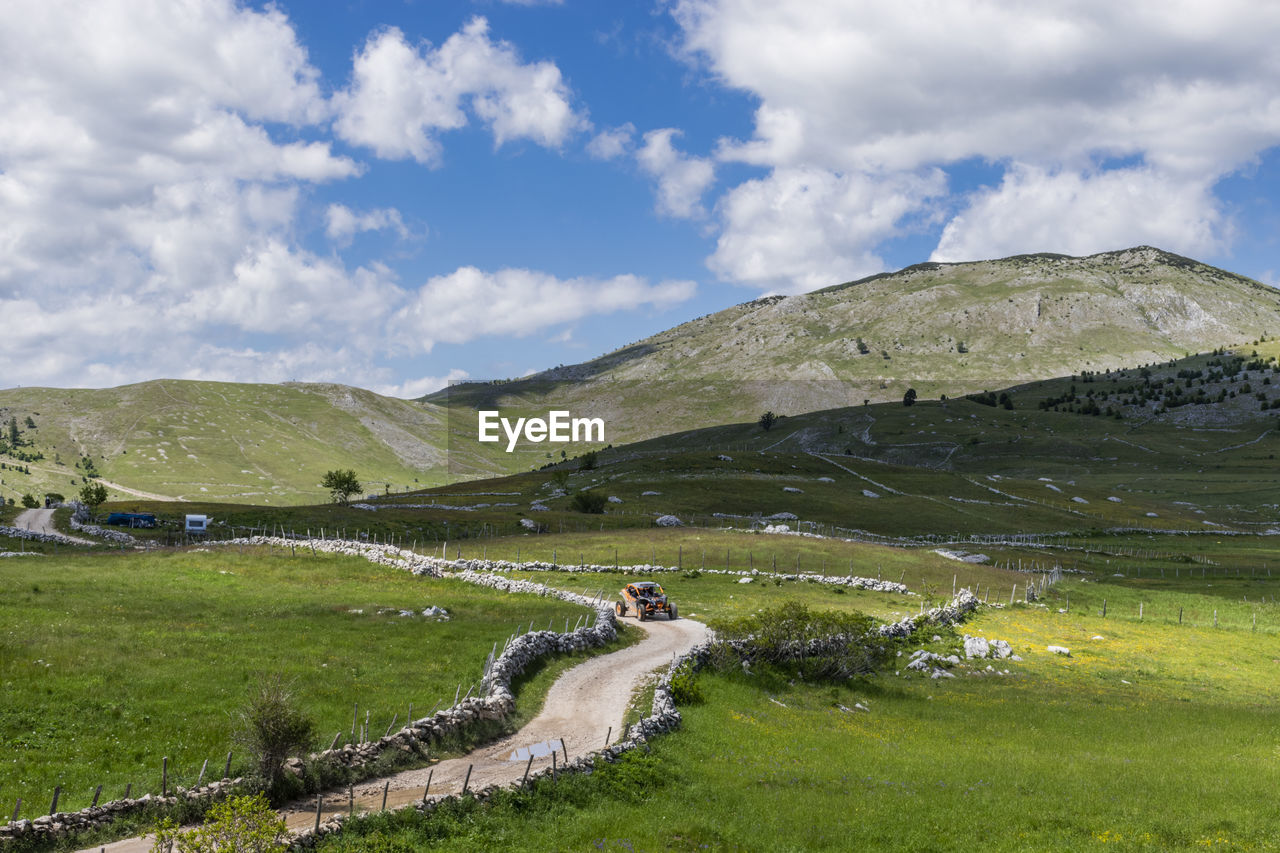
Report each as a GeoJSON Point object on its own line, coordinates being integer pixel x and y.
{"type": "Point", "coordinates": [614, 499]}
{"type": "Point", "coordinates": [649, 494]}
{"type": "Point", "coordinates": [668, 521]}
{"type": "Point", "coordinates": [724, 458]}
{"type": "Point", "coordinates": [1115, 500]}
{"type": "Point", "coordinates": [793, 490]}
{"type": "Point", "coordinates": [867, 493]}
{"type": "Point", "coordinates": [1060, 650]}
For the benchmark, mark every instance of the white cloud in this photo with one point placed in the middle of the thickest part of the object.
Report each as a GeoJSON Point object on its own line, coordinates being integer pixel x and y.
{"type": "Point", "coordinates": [342, 223]}
{"type": "Point", "coordinates": [470, 302]}
{"type": "Point", "coordinates": [402, 97]}
{"type": "Point", "coordinates": [1082, 214]}
{"type": "Point", "coordinates": [412, 389]}
{"type": "Point", "coordinates": [612, 143]}
{"type": "Point", "coordinates": [682, 178]}
{"type": "Point", "coordinates": [800, 229]}
{"type": "Point", "coordinates": [1183, 89]}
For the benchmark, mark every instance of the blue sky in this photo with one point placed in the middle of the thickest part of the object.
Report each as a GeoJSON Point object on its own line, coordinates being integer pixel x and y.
{"type": "Point", "coordinates": [393, 194]}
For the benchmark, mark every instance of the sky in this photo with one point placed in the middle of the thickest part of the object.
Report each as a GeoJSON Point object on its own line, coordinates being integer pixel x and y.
{"type": "Point", "coordinates": [394, 195]}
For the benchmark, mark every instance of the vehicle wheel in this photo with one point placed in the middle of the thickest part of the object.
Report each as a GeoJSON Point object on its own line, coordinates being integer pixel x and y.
{"type": "Point", "coordinates": [640, 613]}
{"type": "Point", "coordinates": [671, 614]}
{"type": "Point", "coordinates": [620, 609]}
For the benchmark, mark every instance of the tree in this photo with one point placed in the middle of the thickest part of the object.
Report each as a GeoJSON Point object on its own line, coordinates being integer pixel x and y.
{"type": "Point", "coordinates": [54, 498]}
{"type": "Point", "coordinates": [14, 441]}
{"type": "Point", "coordinates": [863, 349]}
{"type": "Point", "coordinates": [586, 501]}
{"type": "Point", "coordinates": [271, 727]}
{"type": "Point", "coordinates": [93, 495]}
{"type": "Point", "coordinates": [30, 423]}
{"type": "Point", "coordinates": [588, 461]}
{"type": "Point", "coordinates": [29, 501]}
{"type": "Point", "coordinates": [342, 484]}
{"type": "Point", "coordinates": [767, 420]}
{"type": "Point", "coordinates": [909, 398]}
{"type": "Point", "coordinates": [241, 824]}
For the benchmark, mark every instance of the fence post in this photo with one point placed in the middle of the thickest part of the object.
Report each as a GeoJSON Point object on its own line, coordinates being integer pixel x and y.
{"type": "Point", "coordinates": [467, 781]}
{"type": "Point", "coordinates": [427, 789]}
{"type": "Point", "coordinates": [226, 771]}
{"type": "Point", "coordinates": [164, 776]}
{"type": "Point", "coordinates": [57, 792]}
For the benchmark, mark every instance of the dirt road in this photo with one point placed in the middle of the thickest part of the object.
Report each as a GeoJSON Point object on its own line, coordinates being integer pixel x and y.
{"type": "Point", "coordinates": [583, 706]}
{"type": "Point", "coordinates": [41, 521]}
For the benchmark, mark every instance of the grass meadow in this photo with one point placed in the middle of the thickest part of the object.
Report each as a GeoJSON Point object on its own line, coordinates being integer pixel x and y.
{"type": "Point", "coordinates": [109, 662]}
{"type": "Point", "coordinates": [1150, 736]}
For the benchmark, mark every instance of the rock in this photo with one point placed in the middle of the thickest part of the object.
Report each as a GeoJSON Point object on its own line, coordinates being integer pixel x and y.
{"type": "Point", "coordinates": [1000, 649]}
{"type": "Point", "coordinates": [793, 490]}
{"type": "Point", "coordinates": [614, 499]}
{"type": "Point", "coordinates": [668, 521]}
{"type": "Point", "coordinates": [1079, 500]}
{"type": "Point", "coordinates": [1060, 650]}
{"type": "Point", "coordinates": [724, 458]}
{"type": "Point", "coordinates": [826, 480]}
{"type": "Point", "coordinates": [745, 580]}
{"type": "Point", "coordinates": [1115, 500]}
{"type": "Point", "coordinates": [650, 494]}
{"type": "Point", "coordinates": [867, 493]}
{"type": "Point", "coordinates": [976, 647]}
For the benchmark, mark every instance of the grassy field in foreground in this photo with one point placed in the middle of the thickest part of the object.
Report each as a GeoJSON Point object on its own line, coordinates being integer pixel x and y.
{"type": "Point", "coordinates": [109, 662]}
{"type": "Point", "coordinates": [1149, 738]}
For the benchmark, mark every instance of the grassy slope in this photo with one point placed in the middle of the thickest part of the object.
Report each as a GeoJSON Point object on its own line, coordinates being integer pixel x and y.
{"type": "Point", "coordinates": [107, 663]}
{"type": "Point", "coordinates": [205, 440]}
{"type": "Point", "coordinates": [1020, 319]}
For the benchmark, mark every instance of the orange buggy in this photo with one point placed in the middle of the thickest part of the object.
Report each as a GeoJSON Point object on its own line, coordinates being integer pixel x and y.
{"type": "Point", "coordinates": [646, 598]}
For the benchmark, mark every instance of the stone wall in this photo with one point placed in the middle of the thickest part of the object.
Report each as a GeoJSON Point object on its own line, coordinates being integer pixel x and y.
{"type": "Point", "coordinates": [32, 536]}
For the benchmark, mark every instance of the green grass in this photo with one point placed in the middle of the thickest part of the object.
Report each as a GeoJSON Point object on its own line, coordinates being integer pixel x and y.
{"type": "Point", "coordinates": [109, 662]}
{"type": "Point", "coordinates": [1155, 737]}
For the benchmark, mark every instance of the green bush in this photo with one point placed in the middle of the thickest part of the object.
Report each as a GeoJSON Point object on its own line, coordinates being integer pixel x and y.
{"type": "Point", "coordinates": [685, 689]}
{"type": "Point", "coordinates": [588, 501]}
{"type": "Point", "coordinates": [822, 644]}
{"type": "Point", "coordinates": [29, 501]}
{"type": "Point", "coordinates": [242, 824]}
{"type": "Point", "coordinates": [270, 727]}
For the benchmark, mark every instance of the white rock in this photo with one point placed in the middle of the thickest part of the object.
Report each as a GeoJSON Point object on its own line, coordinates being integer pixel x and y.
{"type": "Point", "coordinates": [614, 499]}
{"type": "Point", "coordinates": [867, 493]}
{"type": "Point", "coordinates": [1079, 500]}
{"type": "Point", "coordinates": [1115, 500]}
{"type": "Point", "coordinates": [825, 480]}
{"type": "Point", "coordinates": [649, 494]}
{"type": "Point", "coordinates": [976, 647]}
{"type": "Point", "coordinates": [745, 580]}
{"type": "Point", "coordinates": [724, 458]}
{"type": "Point", "coordinates": [1060, 650]}
{"type": "Point", "coordinates": [793, 490]}
{"type": "Point", "coordinates": [668, 521]}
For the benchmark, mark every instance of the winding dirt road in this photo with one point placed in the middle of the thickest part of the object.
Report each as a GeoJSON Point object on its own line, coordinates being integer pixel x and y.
{"type": "Point", "coordinates": [584, 705]}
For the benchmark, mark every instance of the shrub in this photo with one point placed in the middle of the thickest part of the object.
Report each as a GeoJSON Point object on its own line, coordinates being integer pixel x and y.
{"type": "Point", "coordinates": [767, 420]}
{"type": "Point", "coordinates": [29, 501]}
{"type": "Point", "coordinates": [588, 461]}
{"type": "Point", "coordinates": [588, 501]}
{"type": "Point", "coordinates": [824, 644]}
{"type": "Point", "coordinates": [270, 727]}
{"type": "Point", "coordinates": [685, 689]}
{"type": "Point", "coordinates": [243, 824]}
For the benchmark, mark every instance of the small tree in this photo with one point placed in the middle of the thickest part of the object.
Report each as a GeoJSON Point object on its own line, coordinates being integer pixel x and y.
{"type": "Point", "coordinates": [54, 498]}
{"type": "Point", "coordinates": [586, 501]}
{"type": "Point", "coordinates": [270, 727]}
{"type": "Point", "coordinates": [767, 420]}
{"type": "Point", "coordinates": [29, 501]}
{"type": "Point", "coordinates": [909, 398]}
{"type": "Point", "coordinates": [93, 495]}
{"type": "Point", "coordinates": [13, 432]}
{"type": "Point", "coordinates": [588, 461]}
{"type": "Point", "coordinates": [863, 349]}
{"type": "Point", "coordinates": [241, 824]}
{"type": "Point", "coordinates": [342, 484]}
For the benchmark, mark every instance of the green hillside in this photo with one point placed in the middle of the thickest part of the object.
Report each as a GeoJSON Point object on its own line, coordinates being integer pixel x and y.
{"type": "Point", "coordinates": [940, 328]}
{"type": "Point", "coordinates": [263, 444]}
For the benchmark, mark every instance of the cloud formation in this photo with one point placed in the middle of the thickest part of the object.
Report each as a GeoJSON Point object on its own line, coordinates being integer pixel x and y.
{"type": "Point", "coordinates": [402, 97]}
{"type": "Point", "coordinates": [1053, 94]}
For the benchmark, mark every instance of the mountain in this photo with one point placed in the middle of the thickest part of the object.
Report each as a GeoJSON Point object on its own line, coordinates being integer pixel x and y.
{"type": "Point", "coordinates": [939, 328]}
